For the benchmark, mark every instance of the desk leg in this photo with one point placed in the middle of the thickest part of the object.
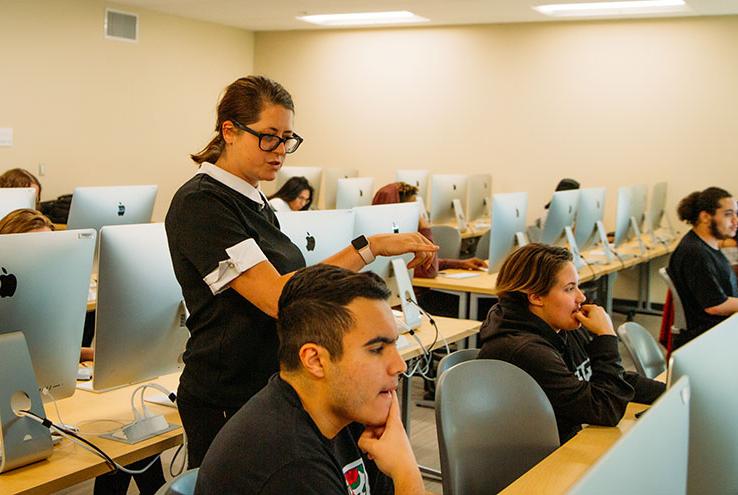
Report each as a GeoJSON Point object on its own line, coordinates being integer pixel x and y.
{"type": "Point", "coordinates": [405, 399]}
{"type": "Point", "coordinates": [644, 290]}
{"type": "Point", "coordinates": [426, 472]}
{"type": "Point", "coordinates": [610, 283]}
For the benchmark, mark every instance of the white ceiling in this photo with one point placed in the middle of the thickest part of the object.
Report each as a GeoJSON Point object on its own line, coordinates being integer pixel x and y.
{"type": "Point", "coordinates": [279, 15]}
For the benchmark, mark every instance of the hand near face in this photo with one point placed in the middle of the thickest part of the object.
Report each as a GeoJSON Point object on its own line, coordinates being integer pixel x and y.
{"type": "Point", "coordinates": [595, 319]}
{"type": "Point", "coordinates": [390, 449]}
{"type": "Point", "coordinates": [394, 244]}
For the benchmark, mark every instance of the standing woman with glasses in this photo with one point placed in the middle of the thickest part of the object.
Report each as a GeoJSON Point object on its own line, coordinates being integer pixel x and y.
{"type": "Point", "coordinates": [232, 260]}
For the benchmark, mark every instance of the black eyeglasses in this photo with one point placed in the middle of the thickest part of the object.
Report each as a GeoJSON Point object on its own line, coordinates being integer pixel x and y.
{"type": "Point", "coordinates": [270, 142]}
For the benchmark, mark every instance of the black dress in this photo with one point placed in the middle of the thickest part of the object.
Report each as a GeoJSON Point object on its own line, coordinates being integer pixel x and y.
{"type": "Point", "coordinates": [217, 230]}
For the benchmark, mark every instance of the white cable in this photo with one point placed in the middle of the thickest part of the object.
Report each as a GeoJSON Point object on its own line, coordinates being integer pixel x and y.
{"type": "Point", "coordinates": [46, 391]}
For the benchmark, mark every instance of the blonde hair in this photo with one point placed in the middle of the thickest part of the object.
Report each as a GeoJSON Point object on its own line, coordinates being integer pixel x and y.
{"type": "Point", "coordinates": [531, 270]}
{"type": "Point", "coordinates": [24, 220]}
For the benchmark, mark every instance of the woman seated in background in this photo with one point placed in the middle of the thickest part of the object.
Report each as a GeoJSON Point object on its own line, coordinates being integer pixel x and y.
{"type": "Point", "coordinates": [542, 326]}
{"type": "Point", "coordinates": [18, 177]}
{"type": "Point", "coordinates": [25, 220]}
{"type": "Point", "coordinates": [401, 192]}
{"type": "Point", "coordinates": [295, 195]}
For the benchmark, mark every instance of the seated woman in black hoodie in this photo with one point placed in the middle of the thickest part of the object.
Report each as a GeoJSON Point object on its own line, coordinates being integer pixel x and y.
{"type": "Point", "coordinates": [537, 326]}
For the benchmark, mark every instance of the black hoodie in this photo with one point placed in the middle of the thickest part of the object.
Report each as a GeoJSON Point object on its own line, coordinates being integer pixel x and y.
{"type": "Point", "coordinates": [580, 373]}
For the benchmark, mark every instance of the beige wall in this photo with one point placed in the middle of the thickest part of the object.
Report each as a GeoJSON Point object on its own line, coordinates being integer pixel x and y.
{"type": "Point", "coordinates": [609, 103]}
{"type": "Point", "coordinates": [102, 112]}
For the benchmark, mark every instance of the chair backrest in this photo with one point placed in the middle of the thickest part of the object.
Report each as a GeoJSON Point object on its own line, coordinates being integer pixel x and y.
{"type": "Point", "coordinates": [680, 320]}
{"type": "Point", "coordinates": [482, 251]}
{"type": "Point", "coordinates": [448, 240]}
{"type": "Point", "coordinates": [184, 484]}
{"type": "Point", "coordinates": [647, 355]}
{"type": "Point", "coordinates": [455, 358]}
{"type": "Point", "coordinates": [494, 422]}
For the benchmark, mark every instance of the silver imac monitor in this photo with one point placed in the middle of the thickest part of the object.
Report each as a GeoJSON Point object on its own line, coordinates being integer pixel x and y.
{"type": "Point", "coordinates": [622, 215]}
{"type": "Point", "coordinates": [15, 198]}
{"type": "Point", "coordinates": [318, 234]}
{"type": "Point", "coordinates": [354, 191]}
{"type": "Point", "coordinates": [417, 178]}
{"type": "Point", "coordinates": [710, 363]}
{"type": "Point", "coordinates": [508, 215]}
{"type": "Point", "coordinates": [590, 210]}
{"type": "Point", "coordinates": [386, 219]}
{"type": "Point", "coordinates": [561, 214]}
{"type": "Point", "coordinates": [444, 190]}
{"type": "Point", "coordinates": [638, 199]}
{"type": "Point", "coordinates": [651, 457]}
{"type": "Point", "coordinates": [656, 209]}
{"type": "Point", "coordinates": [93, 207]}
{"type": "Point", "coordinates": [330, 183]}
{"type": "Point", "coordinates": [44, 284]}
{"type": "Point", "coordinates": [479, 197]}
{"type": "Point", "coordinates": [312, 174]}
{"type": "Point", "coordinates": [140, 330]}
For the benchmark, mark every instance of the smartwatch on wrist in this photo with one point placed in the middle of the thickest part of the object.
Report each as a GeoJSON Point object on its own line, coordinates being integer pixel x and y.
{"type": "Point", "coordinates": [361, 244]}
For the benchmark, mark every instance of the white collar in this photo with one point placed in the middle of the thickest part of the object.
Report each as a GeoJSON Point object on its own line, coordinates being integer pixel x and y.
{"type": "Point", "coordinates": [234, 182]}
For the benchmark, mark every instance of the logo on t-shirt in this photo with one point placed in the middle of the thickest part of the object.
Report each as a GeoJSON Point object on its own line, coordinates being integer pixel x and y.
{"type": "Point", "coordinates": [584, 371]}
{"type": "Point", "coordinates": [356, 478]}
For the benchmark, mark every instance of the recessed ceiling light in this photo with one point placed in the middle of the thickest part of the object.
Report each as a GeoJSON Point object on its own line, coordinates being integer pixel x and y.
{"type": "Point", "coordinates": [363, 18]}
{"type": "Point", "coordinates": [612, 8]}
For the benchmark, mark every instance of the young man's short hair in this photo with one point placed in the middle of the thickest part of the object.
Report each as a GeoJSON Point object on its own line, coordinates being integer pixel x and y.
{"type": "Point", "coordinates": [312, 308]}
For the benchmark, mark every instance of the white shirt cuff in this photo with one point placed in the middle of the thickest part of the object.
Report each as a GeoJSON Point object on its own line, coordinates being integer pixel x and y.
{"type": "Point", "coordinates": [241, 257]}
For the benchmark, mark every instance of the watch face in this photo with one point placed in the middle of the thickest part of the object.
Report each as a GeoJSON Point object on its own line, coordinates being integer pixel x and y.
{"type": "Point", "coordinates": [360, 242]}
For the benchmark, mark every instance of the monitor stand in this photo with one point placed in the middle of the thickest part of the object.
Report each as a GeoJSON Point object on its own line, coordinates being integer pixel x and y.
{"type": "Point", "coordinates": [459, 214]}
{"type": "Point", "coordinates": [637, 235]}
{"type": "Point", "coordinates": [410, 312]}
{"type": "Point", "coordinates": [576, 255]}
{"type": "Point", "coordinates": [23, 440]}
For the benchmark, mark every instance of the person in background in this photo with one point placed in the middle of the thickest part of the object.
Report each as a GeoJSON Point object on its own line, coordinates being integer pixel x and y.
{"type": "Point", "coordinates": [401, 192]}
{"type": "Point", "coordinates": [19, 177]}
{"type": "Point", "coordinates": [701, 273]}
{"type": "Point", "coordinates": [25, 220]}
{"type": "Point", "coordinates": [328, 423]}
{"type": "Point", "coordinates": [542, 325]}
{"type": "Point", "coordinates": [232, 260]}
{"type": "Point", "coordinates": [295, 195]}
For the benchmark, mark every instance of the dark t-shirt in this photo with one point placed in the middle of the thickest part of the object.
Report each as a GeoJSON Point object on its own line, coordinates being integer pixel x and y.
{"type": "Point", "coordinates": [703, 278]}
{"type": "Point", "coordinates": [273, 447]}
{"type": "Point", "coordinates": [232, 350]}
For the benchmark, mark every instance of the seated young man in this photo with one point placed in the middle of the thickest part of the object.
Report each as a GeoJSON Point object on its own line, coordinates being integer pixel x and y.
{"type": "Point", "coordinates": [334, 397]}
{"type": "Point", "coordinates": [701, 273]}
{"type": "Point", "coordinates": [536, 325]}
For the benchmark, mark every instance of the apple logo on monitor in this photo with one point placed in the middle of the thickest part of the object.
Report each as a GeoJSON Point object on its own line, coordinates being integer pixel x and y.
{"type": "Point", "coordinates": [8, 284]}
{"type": "Point", "coordinates": [121, 209]}
{"type": "Point", "coordinates": [395, 228]}
{"type": "Point", "coordinates": [310, 242]}
{"type": "Point", "coordinates": [361, 193]}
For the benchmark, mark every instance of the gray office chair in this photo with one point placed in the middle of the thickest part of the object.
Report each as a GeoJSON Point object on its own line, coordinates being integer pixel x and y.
{"type": "Point", "coordinates": [456, 357]}
{"type": "Point", "coordinates": [680, 320]}
{"type": "Point", "coordinates": [448, 240]}
{"type": "Point", "coordinates": [482, 250]}
{"type": "Point", "coordinates": [184, 484]}
{"type": "Point", "coordinates": [647, 355]}
{"type": "Point", "coordinates": [494, 422]}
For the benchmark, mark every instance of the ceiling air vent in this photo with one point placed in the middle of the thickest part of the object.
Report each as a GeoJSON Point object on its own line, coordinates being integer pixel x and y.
{"type": "Point", "coordinates": [121, 25]}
